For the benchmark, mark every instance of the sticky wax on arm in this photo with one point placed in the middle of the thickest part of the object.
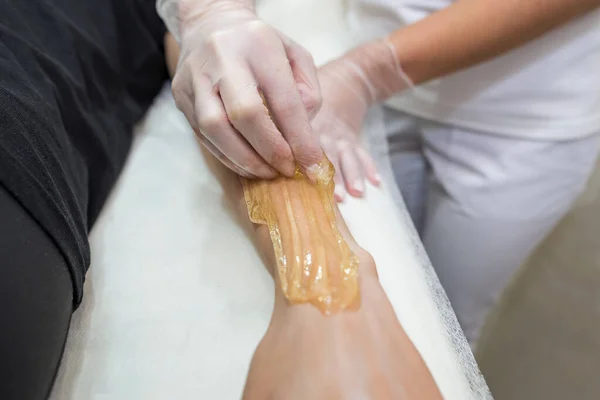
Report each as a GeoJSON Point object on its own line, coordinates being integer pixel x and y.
{"type": "Point", "coordinates": [314, 262]}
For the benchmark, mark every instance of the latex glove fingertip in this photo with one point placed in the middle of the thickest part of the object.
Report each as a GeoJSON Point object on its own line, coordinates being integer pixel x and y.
{"type": "Point", "coordinates": [338, 193]}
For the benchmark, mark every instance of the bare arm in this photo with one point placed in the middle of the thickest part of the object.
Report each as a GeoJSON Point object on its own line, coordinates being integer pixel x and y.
{"type": "Point", "coordinates": [472, 31]}
{"type": "Point", "coordinates": [460, 36]}
{"type": "Point", "coordinates": [305, 354]}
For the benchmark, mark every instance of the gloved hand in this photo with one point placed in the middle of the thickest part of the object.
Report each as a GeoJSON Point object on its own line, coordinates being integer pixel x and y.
{"type": "Point", "coordinates": [350, 85]}
{"type": "Point", "coordinates": [339, 122]}
{"type": "Point", "coordinates": [229, 58]}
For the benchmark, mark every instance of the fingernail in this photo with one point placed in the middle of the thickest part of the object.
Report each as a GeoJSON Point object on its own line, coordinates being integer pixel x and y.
{"type": "Point", "coordinates": [359, 187]}
{"type": "Point", "coordinates": [338, 192]}
{"type": "Point", "coordinates": [377, 178]}
{"type": "Point", "coordinates": [313, 172]}
{"type": "Point", "coordinates": [289, 170]}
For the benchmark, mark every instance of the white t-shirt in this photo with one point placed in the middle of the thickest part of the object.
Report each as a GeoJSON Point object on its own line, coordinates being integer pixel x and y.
{"type": "Point", "coordinates": [547, 89]}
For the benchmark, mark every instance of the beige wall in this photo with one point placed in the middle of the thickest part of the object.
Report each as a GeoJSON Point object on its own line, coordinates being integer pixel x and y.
{"type": "Point", "coordinates": [543, 341]}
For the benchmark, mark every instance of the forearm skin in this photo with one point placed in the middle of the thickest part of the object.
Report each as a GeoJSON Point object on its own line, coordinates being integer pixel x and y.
{"type": "Point", "coordinates": [460, 36]}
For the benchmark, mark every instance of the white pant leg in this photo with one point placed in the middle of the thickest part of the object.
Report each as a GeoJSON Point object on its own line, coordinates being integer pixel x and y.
{"type": "Point", "coordinates": [491, 200]}
{"type": "Point", "coordinates": [407, 161]}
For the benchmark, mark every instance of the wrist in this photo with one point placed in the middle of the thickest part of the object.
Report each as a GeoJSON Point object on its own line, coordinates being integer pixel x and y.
{"type": "Point", "coordinates": [369, 286]}
{"type": "Point", "coordinates": [191, 11]}
{"type": "Point", "coordinates": [378, 68]}
{"type": "Point", "coordinates": [343, 77]}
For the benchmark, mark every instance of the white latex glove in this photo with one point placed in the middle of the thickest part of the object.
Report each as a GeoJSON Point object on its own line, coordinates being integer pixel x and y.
{"type": "Point", "coordinates": [350, 85]}
{"type": "Point", "coordinates": [339, 123]}
{"type": "Point", "coordinates": [229, 57]}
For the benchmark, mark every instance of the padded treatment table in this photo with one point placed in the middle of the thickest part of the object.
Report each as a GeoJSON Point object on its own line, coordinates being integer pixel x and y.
{"type": "Point", "coordinates": [177, 298]}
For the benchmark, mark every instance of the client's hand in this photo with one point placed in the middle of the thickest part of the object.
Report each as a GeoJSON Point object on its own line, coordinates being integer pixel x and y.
{"type": "Point", "coordinates": [363, 354]}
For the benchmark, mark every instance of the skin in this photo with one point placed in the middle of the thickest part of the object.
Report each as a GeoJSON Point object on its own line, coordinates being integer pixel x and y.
{"type": "Point", "coordinates": [473, 31]}
{"type": "Point", "coordinates": [359, 354]}
{"type": "Point", "coordinates": [363, 354]}
{"type": "Point", "coordinates": [462, 35]}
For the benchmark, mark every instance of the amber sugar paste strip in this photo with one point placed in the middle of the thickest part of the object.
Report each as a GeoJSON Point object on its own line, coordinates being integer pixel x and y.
{"type": "Point", "coordinates": [314, 262]}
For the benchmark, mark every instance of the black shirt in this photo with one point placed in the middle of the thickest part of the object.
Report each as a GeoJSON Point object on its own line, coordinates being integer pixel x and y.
{"type": "Point", "coordinates": [75, 76]}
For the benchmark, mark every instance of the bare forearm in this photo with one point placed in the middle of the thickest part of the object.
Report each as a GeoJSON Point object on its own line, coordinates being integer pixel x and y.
{"type": "Point", "coordinates": [319, 333]}
{"type": "Point", "coordinates": [371, 330]}
{"type": "Point", "coordinates": [472, 31]}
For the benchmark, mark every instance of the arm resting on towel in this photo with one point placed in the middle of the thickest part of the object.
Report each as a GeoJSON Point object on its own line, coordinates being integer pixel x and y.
{"type": "Point", "coordinates": [362, 353]}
